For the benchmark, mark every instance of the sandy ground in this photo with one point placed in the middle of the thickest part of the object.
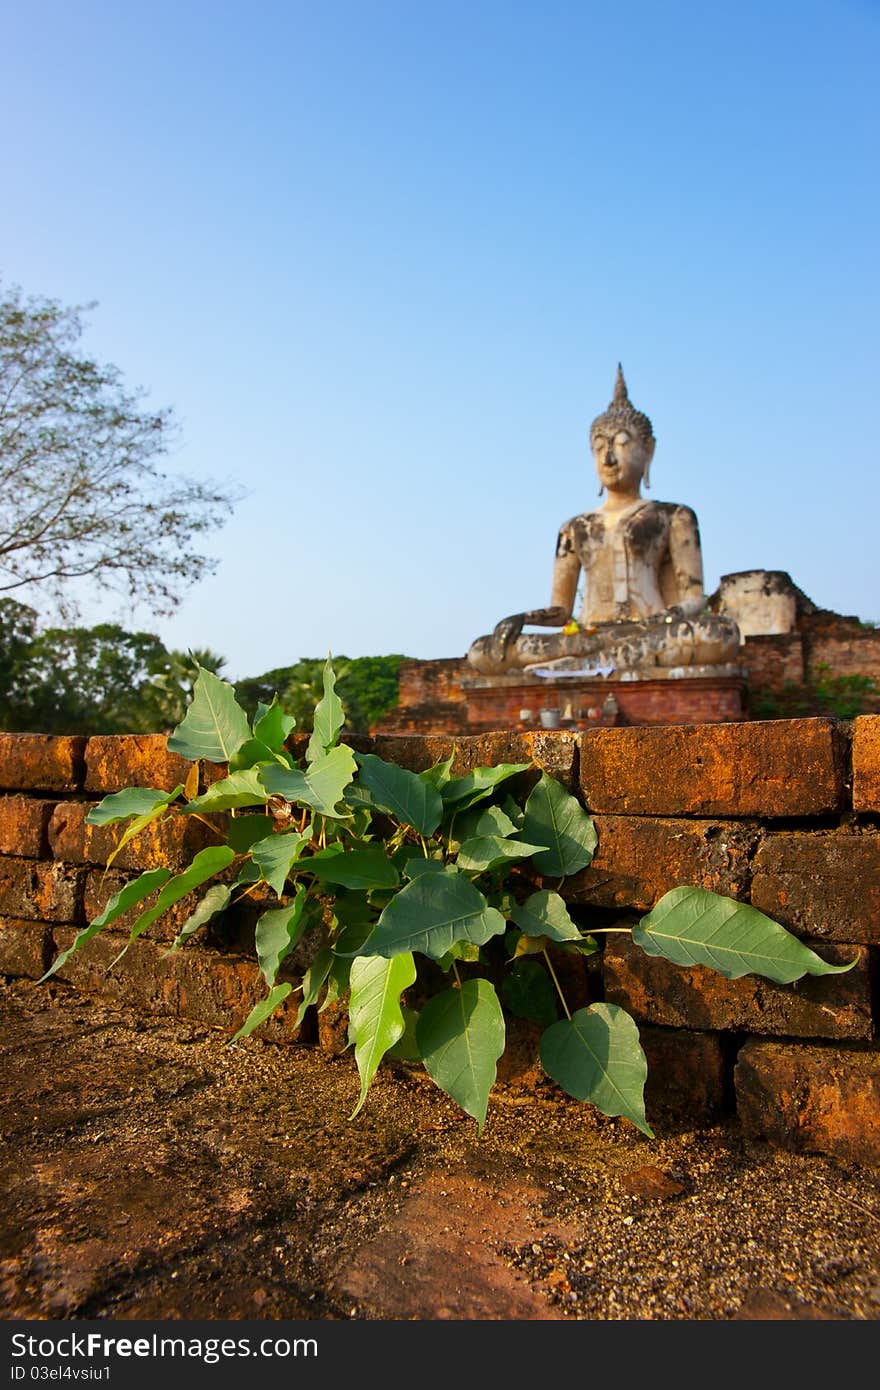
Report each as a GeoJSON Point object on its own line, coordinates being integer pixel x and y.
{"type": "Point", "coordinates": [150, 1171]}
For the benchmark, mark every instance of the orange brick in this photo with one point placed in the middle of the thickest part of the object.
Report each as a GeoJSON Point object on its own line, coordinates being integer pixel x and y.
{"type": "Point", "coordinates": [553, 753]}
{"type": "Point", "coordinates": [811, 1099]}
{"type": "Point", "coordinates": [866, 763]}
{"type": "Point", "coordinates": [638, 859]}
{"type": "Point", "coordinates": [780, 767]}
{"type": "Point", "coordinates": [170, 843]}
{"type": "Point", "coordinates": [822, 884]}
{"type": "Point", "coordinates": [40, 892]}
{"type": "Point", "coordinates": [25, 948]}
{"type": "Point", "coordinates": [23, 826]}
{"type": "Point", "coordinates": [41, 762]}
{"type": "Point", "coordinates": [209, 987]}
{"type": "Point", "coordinates": [100, 887]}
{"type": "Point", "coordinates": [115, 761]}
{"type": "Point", "coordinates": [654, 990]}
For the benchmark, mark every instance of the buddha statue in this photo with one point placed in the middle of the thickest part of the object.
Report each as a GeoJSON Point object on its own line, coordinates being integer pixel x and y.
{"type": "Point", "coordinates": [644, 605]}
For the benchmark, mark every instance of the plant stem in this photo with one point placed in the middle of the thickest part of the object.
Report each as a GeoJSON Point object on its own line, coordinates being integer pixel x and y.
{"type": "Point", "coordinates": [194, 815]}
{"type": "Point", "coordinates": [456, 974]}
{"type": "Point", "coordinates": [606, 931]}
{"type": "Point", "coordinates": [556, 983]}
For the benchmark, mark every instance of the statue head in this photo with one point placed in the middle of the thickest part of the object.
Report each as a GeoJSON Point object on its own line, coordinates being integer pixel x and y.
{"type": "Point", "coordinates": [622, 440]}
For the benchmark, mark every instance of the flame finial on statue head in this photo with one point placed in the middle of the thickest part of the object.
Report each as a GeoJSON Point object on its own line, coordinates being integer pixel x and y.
{"type": "Point", "coordinates": [622, 414]}
{"type": "Point", "coordinates": [621, 395]}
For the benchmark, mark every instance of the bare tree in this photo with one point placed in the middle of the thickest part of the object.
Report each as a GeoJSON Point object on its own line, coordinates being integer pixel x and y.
{"type": "Point", "coordinates": [81, 492]}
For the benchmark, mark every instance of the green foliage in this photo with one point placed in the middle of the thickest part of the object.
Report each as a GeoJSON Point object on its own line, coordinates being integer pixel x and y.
{"type": "Point", "coordinates": [82, 495]}
{"type": "Point", "coordinates": [461, 1035]}
{"type": "Point", "coordinates": [97, 680]}
{"type": "Point", "coordinates": [691, 926]}
{"type": "Point", "coordinates": [366, 685]}
{"type": "Point", "coordinates": [374, 866]}
{"type": "Point", "coordinates": [556, 819]}
{"type": "Point", "coordinates": [375, 1012]}
{"type": "Point", "coordinates": [595, 1055]}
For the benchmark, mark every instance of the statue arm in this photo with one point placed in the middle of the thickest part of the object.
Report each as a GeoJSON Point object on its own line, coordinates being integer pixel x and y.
{"type": "Point", "coordinates": [687, 561]}
{"type": "Point", "coordinates": [565, 577]}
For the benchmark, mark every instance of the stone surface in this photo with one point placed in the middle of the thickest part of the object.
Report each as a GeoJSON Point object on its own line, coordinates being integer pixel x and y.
{"type": "Point", "coordinates": [204, 986]}
{"type": "Point", "coordinates": [150, 1172]}
{"type": "Point", "coordinates": [761, 602]}
{"type": "Point", "coordinates": [460, 1271]}
{"type": "Point", "coordinates": [638, 859]}
{"type": "Point", "coordinates": [651, 1184]}
{"type": "Point", "coordinates": [23, 825]}
{"type": "Point", "coordinates": [815, 1099]}
{"type": "Point", "coordinates": [170, 843]}
{"type": "Point", "coordinates": [776, 768]}
{"type": "Point", "coordinates": [820, 884]}
{"type": "Point", "coordinates": [654, 990]}
{"type": "Point", "coordinates": [40, 892]}
{"type": "Point", "coordinates": [25, 948]}
{"type": "Point", "coordinates": [41, 762]}
{"type": "Point", "coordinates": [866, 763]}
{"type": "Point", "coordinates": [115, 761]}
{"type": "Point", "coordinates": [686, 1074]}
{"type": "Point", "coordinates": [553, 752]}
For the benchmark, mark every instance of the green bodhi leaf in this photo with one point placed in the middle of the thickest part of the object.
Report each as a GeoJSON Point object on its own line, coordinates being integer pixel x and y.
{"type": "Point", "coordinates": [375, 1012]}
{"type": "Point", "coordinates": [215, 900]}
{"type": "Point", "coordinates": [276, 855]}
{"type": "Point", "coordinates": [313, 981]}
{"type": "Point", "coordinates": [545, 914]}
{"type": "Point", "coordinates": [321, 786]}
{"type": "Point", "coordinates": [272, 725]}
{"type": "Point", "coordinates": [159, 808]}
{"type": "Point", "coordinates": [329, 718]}
{"type": "Point", "coordinates": [232, 792]}
{"type": "Point", "coordinates": [528, 992]}
{"type": "Point", "coordinates": [363, 868]}
{"type": "Point", "coordinates": [406, 795]}
{"type": "Point", "coordinates": [260, 1012]}
{"type": "Point", "coordinates": [206, 864]}
{"type": "Point", "coordinates": [460, 1035]}
{"type": "Point", "coordinates": [489, 851]}
{"type": "Point", "coordinates": [691, 926]}
{"type": "Point", "coordinates": [555, 818]}
{"type": "Point", "coordinates": [129, 896]}
{"type": "Point", "coordinates": [463, 792]}
{"type": "Point", "coordinates": [215, 725]}
{"type": "Point", "coordinates": [278, 931]}
{"type": "Point", "coordinates": [596, 1056]}
{"type": "Point", "coordinates": [133, 801]}
{"type": "Point", "coordinates": [432, 912]}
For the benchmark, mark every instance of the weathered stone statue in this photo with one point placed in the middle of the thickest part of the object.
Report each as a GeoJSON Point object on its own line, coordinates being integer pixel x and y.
{"type": "Point", "coordinates": [642, 568]}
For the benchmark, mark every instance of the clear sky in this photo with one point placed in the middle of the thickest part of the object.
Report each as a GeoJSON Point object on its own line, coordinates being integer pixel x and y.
{"type": "Point", "coordinates": [383, 256]}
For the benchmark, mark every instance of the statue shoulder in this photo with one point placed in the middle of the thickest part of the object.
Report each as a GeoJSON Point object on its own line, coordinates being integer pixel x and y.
{"type": "Point", "coordinates": [576, 533]}
{"type": "Point", "coordinates": [676, 514]}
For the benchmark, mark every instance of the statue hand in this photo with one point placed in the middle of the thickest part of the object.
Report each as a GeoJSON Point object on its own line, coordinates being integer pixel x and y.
{"type": "Point", "coordinates": [507, 632]}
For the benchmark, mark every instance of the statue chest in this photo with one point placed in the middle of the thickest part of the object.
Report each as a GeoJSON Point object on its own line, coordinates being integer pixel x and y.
{"type": "Point", "coordinates": [622, 558]}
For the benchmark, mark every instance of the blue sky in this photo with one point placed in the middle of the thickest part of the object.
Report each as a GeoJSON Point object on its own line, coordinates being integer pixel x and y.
{"type": "Point", "coordinates": [383, 258]}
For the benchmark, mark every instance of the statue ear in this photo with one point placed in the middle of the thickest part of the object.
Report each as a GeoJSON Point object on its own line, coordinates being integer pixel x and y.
{"type": "Point", "coordinates": [649, 454]}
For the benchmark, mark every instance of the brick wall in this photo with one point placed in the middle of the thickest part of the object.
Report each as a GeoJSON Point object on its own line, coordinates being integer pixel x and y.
{"type": "Point", "coordinates": [782, 673]}
{"type": "Point", "coordinates": [784, 814]}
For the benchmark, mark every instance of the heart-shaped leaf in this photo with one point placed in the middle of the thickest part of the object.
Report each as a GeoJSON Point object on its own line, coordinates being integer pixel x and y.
{"type": "Point", "coordinates": [595, 1055]}
{"type": "Point", "coordinates": [691, 926]}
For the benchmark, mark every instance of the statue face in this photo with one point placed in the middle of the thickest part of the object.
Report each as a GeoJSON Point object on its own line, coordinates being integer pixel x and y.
{"type": "Point", "coordinates": [621, 458]}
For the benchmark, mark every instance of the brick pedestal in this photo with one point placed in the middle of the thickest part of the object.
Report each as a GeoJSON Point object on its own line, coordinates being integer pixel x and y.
{"type": "Point", "coordinates": [496, 702]}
